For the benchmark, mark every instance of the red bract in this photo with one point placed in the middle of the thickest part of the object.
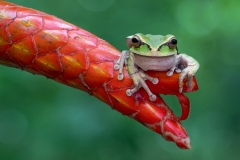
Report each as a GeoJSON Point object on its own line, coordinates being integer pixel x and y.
{"type": "Point", "coordinates": [43, 44]}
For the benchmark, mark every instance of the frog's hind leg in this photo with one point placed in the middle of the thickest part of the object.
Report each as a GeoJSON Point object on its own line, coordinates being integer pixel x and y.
{"type": "Point", "coordinates": [152, 96]}
{"type": "Point", "coordinates": [139, 81]}
{"type": "Point", "coordinates": [147, 77]}
{"type": "Point", "coordinates": [129, 92]}
{"type": "Point", "coordinates": [119, 64]}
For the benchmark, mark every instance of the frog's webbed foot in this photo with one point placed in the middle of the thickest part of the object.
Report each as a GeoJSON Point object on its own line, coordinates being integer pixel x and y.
{"type": "Point", "coordinates": [188, 72]}
{"type": "Point", "coordinates": [139, 81]}
{"type": "Point", "coordinates": [120, 63]}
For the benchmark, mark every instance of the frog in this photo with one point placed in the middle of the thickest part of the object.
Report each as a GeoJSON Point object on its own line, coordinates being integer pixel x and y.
{"type": "Point", "coordinates": [155, 53]}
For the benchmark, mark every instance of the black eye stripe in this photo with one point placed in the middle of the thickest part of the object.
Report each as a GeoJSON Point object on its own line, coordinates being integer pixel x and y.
{"type": "Point", "coordinates": [164, 44]}
{"type": "Point", "coordinates": [171, 42]}
{"type": "Point", "coordinates": [142, 43]}
{"type": "Point", "coordinates": [149, 47]}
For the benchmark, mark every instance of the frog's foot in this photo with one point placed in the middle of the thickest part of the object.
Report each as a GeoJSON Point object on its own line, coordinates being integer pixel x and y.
{"type": "Point", "coordinates": [119, 67]}
{"type": "Point", "coordinates": [189, 69]}
{"type": "Point", "coordinates": [119, 64]}
{"type": "Point", "coordinates": [120, 73]}
{"type": "Point", "coordinates": [120, 76]}
{"type": "Point", "coordinates": [129, 92]}
{"type": "Point", "coordinates": [139, 81]}
{"type": "Point", "coordinates": [116, 66]}
{"type": "Point", "coordinates": [176, 69]}
{"type": "Point", "coordinates": [147, 77]}
{"type": "Point", "coordinates": [188, 73]}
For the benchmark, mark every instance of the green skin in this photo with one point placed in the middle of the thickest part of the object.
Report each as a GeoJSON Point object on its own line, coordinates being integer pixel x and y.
{"type": "Point", "coordinates": [154, 52]}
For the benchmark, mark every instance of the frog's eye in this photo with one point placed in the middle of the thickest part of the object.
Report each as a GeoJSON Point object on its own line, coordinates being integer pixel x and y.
{"type": "Point", "coordinates": [172, 43]}
{"type": "Point", "coordinates": [133, 41]}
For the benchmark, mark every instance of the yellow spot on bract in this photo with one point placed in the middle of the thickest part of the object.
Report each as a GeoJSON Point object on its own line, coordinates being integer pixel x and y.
{"type": "Point", "coordinates": [79, 37]}
{"type": "Point", "coordinates": [27, 23]}
{"type": "Point", "coordinates": [50, 34]}
{"type": "Point", "coordinates": [73, 61]}
{"type": "Point", "coordinates": [152, 109]}
{"type": "Point", "coordinates": [74, 84]}
{"type": "Point", "coordinates": [2, 41]}
{"type": "Point", "coordinates": [3, 14]}
{"type": "Point", "coordinates": [7, 63]}
{"type": "Point", "coordinates": [84, 40]}
{"type": "Point", "coordinates": [47, 64]}
{"type": "Point", "coordinates": [149, 107]}
{"type": "Point", "coordinates": [99, 70]}
{"type": "Point", "coordinates": [21, 48]}
{"type": "Point", "coordinates": [121, 101]}
{"type": "Point", "coordinates": [100, 97]}
{"type": "Point", "coordinates": [77, 85]}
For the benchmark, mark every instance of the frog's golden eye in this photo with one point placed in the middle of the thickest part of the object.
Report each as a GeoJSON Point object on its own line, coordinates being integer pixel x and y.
{"type": "Point", "coordinates": [133, 41]}
{"type": "Point", "coordinates": [172, 43]}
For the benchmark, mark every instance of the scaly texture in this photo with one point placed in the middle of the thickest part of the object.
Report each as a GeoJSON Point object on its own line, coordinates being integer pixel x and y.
{"type": "Point", "coordinates": [42, 44]}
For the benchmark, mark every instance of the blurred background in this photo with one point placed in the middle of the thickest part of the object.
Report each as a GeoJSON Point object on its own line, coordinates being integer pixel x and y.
{"type": "Point", "coordinates": [41, 119]}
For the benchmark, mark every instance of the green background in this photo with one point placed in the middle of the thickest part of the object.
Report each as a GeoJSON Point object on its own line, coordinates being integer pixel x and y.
{"type": "Point", "coordinates": [43, 120]}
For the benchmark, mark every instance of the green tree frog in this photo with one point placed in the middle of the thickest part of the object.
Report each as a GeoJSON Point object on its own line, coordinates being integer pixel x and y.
{"type": "Point", "coordinates": [154, 52]}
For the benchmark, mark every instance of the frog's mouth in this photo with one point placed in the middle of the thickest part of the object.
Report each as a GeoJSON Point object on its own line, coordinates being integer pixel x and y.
{"type": "Point", "coordinates": [156, 54]}
{"type": "Point", "coordinates": [162, 63]}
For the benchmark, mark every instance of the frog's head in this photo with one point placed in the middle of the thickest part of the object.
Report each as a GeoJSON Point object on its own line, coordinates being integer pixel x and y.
{"type": "Point", "coordinates": [152, 45]}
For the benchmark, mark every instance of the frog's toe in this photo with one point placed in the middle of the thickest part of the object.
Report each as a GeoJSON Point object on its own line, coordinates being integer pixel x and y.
{"type": "Point", "coordinates": [190, 82]}
{"type": "Point", "coordinates": [180, 89]}
{"type": "Point", "coordinates": [120, 76]}
{"type": "Point", "coordinates": [116, 67]}
{"type": "Point", "coordinates": [152, 97]}
{"type": "Point", "coordinates": [155, 81]}
{"type": "Point", "coordinates": [178, 70]}
{"type": "Point", "coordinates": [170, 73]}
{"type": "Point", "coordinates": [128, 92]}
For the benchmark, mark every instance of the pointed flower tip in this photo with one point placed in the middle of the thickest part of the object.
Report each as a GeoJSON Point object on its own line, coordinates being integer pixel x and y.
{"type": "Point", "coordinates": [184, 143]}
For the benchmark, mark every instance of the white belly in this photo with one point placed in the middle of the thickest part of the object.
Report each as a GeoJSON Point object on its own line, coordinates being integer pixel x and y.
{"type": "Point", "coordinates": [155, 63]}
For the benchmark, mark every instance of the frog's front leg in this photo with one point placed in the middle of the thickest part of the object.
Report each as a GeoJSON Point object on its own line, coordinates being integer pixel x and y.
{"type": "Point", "coordinates": [119, 64]}
{"type": "Point", "coordinates": [139, 77]}
{"type": "Point", "coordinates": [191, 67]}
{"type": "Point", "coordinates": [175, 67]}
